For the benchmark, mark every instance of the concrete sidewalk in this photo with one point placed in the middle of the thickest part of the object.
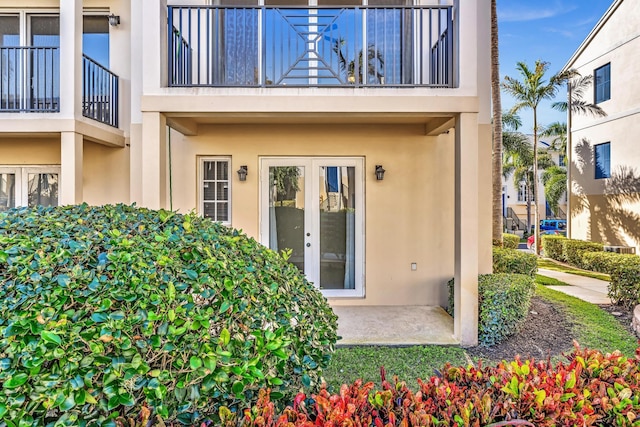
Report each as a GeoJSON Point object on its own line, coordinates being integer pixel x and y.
{"type": "Point", "coordinates": [585, 288]}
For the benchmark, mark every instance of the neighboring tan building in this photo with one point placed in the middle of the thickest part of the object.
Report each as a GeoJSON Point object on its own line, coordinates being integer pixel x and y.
{"type": "Point", "coordinates": [267, 117]}
{"type": "Point", "coordinates": [514, 197]}
{"type": "Point", "coordinates": [604, 152]}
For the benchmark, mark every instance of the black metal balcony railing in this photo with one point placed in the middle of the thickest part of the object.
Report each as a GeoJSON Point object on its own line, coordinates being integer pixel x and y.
{"type": "Point", "coordinates": [318, 46]}
{"type": "Point", "coordinates": [30, 82]}
{"type": "Point", "coordinates": [99, 92]}
{"type": "Point", "coordinates": [29, 79]}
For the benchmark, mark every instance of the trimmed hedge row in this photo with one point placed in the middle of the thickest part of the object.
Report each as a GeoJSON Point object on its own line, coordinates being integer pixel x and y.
{"type": "Point", "coordinates": [624, 288]}
{"type": "Point", "coordinates": [588, 389]}
{"type": "Point", "coordinates": [504, 301]}
{"type": "Point", "coordinates": [510, 241]}
{"type": "Point", "coordinates": [504, 297]}
{"type": "Point", "coordinates": [514, 262]}
{"type": "Point", "coordinates": [572, 250]}
{"type": "Point", "coordinates": [553, 246]}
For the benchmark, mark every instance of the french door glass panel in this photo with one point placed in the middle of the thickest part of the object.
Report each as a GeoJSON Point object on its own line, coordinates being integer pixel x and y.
{"type": "Point", "coordinates": [286, 212]}
{"type": "Point", "coordinates": [314, 209]}
{"type": "Point", "coordinates": [42, 189]}
{"type": "Point", "coordinates": [7, 191]}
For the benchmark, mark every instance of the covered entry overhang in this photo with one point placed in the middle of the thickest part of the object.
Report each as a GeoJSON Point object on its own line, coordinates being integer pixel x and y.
{"type": "Point", "coordinates": [469, 190]}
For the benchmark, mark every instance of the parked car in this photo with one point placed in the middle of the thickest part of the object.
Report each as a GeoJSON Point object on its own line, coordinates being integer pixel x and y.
{"type": "Point", "coordinates": [531, 238]}
{"type": "Point", "coordinates": [553, 224]}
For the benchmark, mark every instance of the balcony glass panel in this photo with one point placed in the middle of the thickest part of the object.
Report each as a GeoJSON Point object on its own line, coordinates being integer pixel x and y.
{"type": "Point", "coordinates": [311, 46]}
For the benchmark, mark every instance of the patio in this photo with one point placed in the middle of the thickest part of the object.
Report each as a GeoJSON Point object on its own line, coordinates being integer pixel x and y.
{"type": "Point", "coordinates": [394, 325]}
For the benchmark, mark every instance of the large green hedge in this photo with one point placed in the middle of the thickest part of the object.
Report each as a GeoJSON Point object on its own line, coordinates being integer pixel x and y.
{"type": "Point", "coordinates": [553, 246]}
{"type": "Point", "coordinates": [514, 261]}
{"type": "Point", "coordinates": [572, 250]}
{"type": "Point", "coordinates": [510, 241]}
{"type": "Point", "coordinates": [504, 301]}
{"type": "Point", "coordinates": [624, 288]}
{"type": "Point", "coordinates": [104, 309]}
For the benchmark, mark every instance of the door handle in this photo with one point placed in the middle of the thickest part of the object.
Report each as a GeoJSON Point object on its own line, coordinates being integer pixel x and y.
{"type": "Point", "coordinates": [308, 245]}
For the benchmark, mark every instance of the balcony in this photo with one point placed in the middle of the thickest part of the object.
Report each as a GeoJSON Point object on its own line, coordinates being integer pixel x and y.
{"type": "Point", "coordinates": [30, 82]}
{"type": "Point", "coordinates": [218, 46]}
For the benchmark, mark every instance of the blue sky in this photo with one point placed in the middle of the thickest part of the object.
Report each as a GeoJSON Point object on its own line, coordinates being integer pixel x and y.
{"type": "Point", "coordinates": [550, 30]}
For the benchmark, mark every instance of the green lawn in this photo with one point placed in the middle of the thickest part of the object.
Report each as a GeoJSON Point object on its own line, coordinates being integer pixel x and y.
{"type": "Point", "coordinates": [549, 264]}
{"type": "Point", "coordinates": [408, 363]}
{"type": "Point", "coordinates": [594, 327]}
{"type": "Point", "coordinates": [548, 281]}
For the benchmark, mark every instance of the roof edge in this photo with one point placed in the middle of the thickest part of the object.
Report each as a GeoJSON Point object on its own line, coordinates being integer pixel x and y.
{"type": "Point", "coordinates": [592, 34]}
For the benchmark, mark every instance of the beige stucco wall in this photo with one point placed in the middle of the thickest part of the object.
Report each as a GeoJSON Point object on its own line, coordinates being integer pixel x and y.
{"type": "Point", "coordinates": [608, 210]}
{"type": "Point", "coordinates": [409, 215]}
{"type": "Point", "coordinates": [29, 151]}
{"type": "Point", "coordinates": [105, 169]}
{"type": "Point", "coordinates": [105, 174]}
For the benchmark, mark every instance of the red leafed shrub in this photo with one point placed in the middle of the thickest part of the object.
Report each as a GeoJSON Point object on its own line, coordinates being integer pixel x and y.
{"type": "Point", "coordinates": [589, 389]}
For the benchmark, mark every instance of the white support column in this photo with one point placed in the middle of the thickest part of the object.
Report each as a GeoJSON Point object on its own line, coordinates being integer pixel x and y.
{"type": "Point", "coordinates": [154, 160]}
{"type": "Point", "coordinates": [135, 136]}
{"type": "Point", "coordinates": [154, 40]}
{"type": "Point", "coordinates": [466, 229]}
{"type": "Point", "coordinates": [70, 57]}
{"type": "Point", "coordinates": [71, 165]}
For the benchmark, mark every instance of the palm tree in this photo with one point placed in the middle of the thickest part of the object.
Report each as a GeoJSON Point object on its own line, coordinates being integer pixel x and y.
{"type": "Point", "coordinates": [557, 131]}
{"type": "Point", "coordinates": [497, 226]}
{"type": "Point", "coordinates": [528, 93]}
{"type": "Point", "coordinates": [554, 180]}
{"type": "Point", "coordinates": [519, 162]}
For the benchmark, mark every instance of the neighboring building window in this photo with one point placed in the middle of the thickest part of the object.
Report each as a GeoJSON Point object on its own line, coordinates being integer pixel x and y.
{"type": "Point", "coordinates": [603, 83]}
{"type": "Point", "coordinates": [562, 160]}
{"type": "Point", "coordinates": [215, 189]}
{"type": "Point", "coordinates": [28, 186]}
{"type": "Point", "coordinates": [523, 193]}
{"type": "Point", "coordinates": [603, 160]}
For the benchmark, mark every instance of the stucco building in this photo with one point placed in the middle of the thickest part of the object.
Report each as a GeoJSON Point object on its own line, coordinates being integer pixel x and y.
{"type": "Point", "coordinates": [604, 154]}
{"type": "Point", "coordinates": [356, 136]}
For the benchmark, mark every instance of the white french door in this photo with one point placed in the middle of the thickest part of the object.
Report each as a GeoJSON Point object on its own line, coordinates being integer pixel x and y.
{"type": "Point", "coordinates": [313, 208]}
{"type": "Point", "coordinates": [29, 186]}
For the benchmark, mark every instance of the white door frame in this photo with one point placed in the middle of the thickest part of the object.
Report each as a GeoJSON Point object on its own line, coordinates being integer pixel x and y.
{"type": "Point", "coordinates": [311, 167]}
{"type": "Point", "coordinates": [21, 173]}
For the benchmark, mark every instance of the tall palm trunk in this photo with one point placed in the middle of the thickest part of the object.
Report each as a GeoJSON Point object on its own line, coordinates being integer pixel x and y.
{"type": "Point", "coordinates": [536, 220]}
{"type": "Point", "coordinates": [497, 226]}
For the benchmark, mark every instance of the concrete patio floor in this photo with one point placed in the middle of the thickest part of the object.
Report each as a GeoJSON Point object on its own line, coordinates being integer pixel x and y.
{"type": "Point", "coordinates": [394, 325]}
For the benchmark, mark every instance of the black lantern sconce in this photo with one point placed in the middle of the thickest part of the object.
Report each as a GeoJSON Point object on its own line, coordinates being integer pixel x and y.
{"type": "Point", "coordinates": [380, 172]}
{"type": "Point", "coordinates": [114, 20]}
{"type": "Point", "coordinates": [242, 173]}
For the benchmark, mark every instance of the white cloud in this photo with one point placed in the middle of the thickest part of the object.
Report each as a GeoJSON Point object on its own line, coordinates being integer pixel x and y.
{"type": "Point", "coordinates": [528, 13]}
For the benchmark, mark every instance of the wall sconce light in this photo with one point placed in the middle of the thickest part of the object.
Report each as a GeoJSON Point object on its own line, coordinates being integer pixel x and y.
{"type": "Point", "coordinates": [114, 20]}
{"type": "Point", "coordinates": [380, 172]}
{"type": "Point", "coordinates": [242, 173]}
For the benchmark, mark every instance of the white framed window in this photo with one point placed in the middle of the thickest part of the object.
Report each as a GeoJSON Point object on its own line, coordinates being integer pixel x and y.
{"type": "Point", "coordinates": [523, 193]}
{"type": "Point", "coordinates": [29, 186]}
{"type": "Point", "coordinates": [214, 188]}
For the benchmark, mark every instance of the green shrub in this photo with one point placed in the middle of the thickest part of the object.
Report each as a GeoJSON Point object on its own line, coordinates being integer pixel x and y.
{"type": "Point", "coordinates": [514, 261]}
{"type": "Point", "coordinates": [504, 301]}
{"type": "Point", "coordinates": [106, 309]}
{"type": "Point", "coordinates": [510, 241]}
{"type": "Point", "coordinates": [451, 288]}
{"type": "Point", "coordinates": [624, 288]}
{"type": "Point", "coordinates": [589, 388]}
{"type": "Point", "coordinates": [553, 246]}
{"type": "Point", "coordinates": [572, 250]}
{"type": "Point", "coordinates": [598, 261]}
